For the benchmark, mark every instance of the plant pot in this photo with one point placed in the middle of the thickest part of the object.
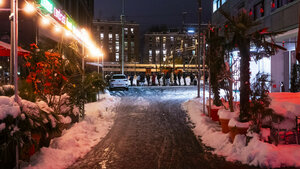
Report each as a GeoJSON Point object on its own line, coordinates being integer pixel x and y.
{"type": "Point", "coordinates": [236, 130]}
{"type": "Point", "coordinates": [224, 125]}
{"type": "Point", "coordinates": [237, 127]}
{"type": "Point", "coordinates": [214, 114]}
{"type": "Point", "coordinates": [36, 137]}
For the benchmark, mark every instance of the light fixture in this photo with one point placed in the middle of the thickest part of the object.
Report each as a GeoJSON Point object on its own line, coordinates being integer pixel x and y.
{"type": "Point", "coordinates": [45, 20]}
{"type": "Point", "coordinates": [29, 8]}
{"type": "Point", "coordinates": [1, 2]}
{"type": "Point", "coordinates": [57, 29]}
{"type": "Point", "coordinates": [67, 33]}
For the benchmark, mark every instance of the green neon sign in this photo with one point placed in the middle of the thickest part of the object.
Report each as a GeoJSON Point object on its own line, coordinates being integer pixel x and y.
{"type": "Point", "coordinates": [48, 5]}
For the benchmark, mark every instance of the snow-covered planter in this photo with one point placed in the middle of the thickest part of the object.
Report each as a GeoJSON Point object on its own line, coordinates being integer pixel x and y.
{"type": "Point", "coordinates": [237, 127]}
{"type": "Point", "coordinates": [224, 117]}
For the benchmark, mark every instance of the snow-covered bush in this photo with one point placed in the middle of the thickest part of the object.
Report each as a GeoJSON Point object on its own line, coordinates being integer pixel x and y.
{"type": "Point", "coordinates": [7, 90]}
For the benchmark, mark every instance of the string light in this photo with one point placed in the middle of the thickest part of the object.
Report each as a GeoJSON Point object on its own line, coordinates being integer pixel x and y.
{"type": "Point", "coordinates": [273, 4]}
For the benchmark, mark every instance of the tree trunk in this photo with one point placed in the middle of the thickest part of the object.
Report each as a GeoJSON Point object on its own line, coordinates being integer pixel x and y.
{"type": "Point", "coordinates": [244, 47]}
{"type": "Point", "coordinates": [230, 96]}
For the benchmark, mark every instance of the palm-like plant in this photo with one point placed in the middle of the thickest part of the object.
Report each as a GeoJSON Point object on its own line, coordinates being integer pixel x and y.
{"type": "Point", "coordinates": [240, 32]}
{"type": "Point", "coordinates": [215, 59]}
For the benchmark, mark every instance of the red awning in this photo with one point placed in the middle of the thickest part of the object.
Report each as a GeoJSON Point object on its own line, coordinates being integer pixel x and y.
{"type": "Point", "coordinates": [5, 50]}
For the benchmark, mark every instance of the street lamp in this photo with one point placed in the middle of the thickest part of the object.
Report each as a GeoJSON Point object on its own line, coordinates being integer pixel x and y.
{"type": "Point", "coordinates": [29, 8]}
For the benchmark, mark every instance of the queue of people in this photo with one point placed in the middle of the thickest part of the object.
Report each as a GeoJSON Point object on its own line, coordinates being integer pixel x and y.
{"type": "Point", "coordinates": [162, 79]}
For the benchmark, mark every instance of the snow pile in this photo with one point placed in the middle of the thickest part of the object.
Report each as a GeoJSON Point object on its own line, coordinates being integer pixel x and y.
{"type": "Point", "coordinates": [227, 114]}
{"type": "Point", "coordinates": [286, 104]}
{"type": "Point", "coordinates": [235, 123]}
{"type": "Point", "coordinates": [8, 107]}
{"type": "Point", "coordinates": [78, 140]}
{"type": "Point", "coordinates": [256, 153]}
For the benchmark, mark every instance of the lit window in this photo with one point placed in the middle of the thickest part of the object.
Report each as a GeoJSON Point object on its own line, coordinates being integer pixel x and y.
{"type": "Point", "coordinates": [165, 52]}
{"type": "Point", "coordinates": [126, 30]}
{"type": "Point", "coordinates": [172, 38]}
{"type": "Point", "coordinates": [157, 52]}
{"type": "Point", "coordinates": [164, 46]}
{"type": "Point", "coordinates": [117, 37]}
{"type": "Point", "coordinates": [164, 39]}
{"type": "Point", "coordinates": [110, 36]}
{"type": "Point", "coordinates": [117, 57]}
{"type": "Point", "coordinates": [126, 45]}
{"type": "Point", "coordinates": [150, 52]}
{"type": "Point", "coordinates": [132, 30]}
{"type": "Point", "coordinates": [101, 36]}
{"type": "Point", "coordinates": [157, 39]}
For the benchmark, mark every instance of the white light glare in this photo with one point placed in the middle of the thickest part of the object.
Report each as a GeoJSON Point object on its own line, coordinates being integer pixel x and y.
{"type": "Point", "coordinates": [57, 29]}
{"type": "Point", "coordinates": [67, 33]}
{"type": "Point", "coordinates": [45, 21]}
{"type": "Point", "coordinates": [29, 8]}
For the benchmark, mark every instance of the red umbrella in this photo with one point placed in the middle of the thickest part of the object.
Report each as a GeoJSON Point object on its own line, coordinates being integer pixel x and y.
{"type": "Point", "coordinates": [5, 50]}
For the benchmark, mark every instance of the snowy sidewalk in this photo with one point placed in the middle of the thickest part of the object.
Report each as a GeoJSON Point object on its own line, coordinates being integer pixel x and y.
{"type": "Point", "coordinates": [256, 153]}
{"type": "Point", "coordinates": [80, 138]}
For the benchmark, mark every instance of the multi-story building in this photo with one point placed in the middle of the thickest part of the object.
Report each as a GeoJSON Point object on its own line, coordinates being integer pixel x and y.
{"type": "Point", "coordinates": [108, 35]}
{"type": "Point", "coordinates": [276, 15]}
{"type": "Point", "coordinates": [167, 47]}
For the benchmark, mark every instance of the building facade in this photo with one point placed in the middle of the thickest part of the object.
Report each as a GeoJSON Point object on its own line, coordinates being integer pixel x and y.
{"type": "Point", "coordinates": [165, 48]}
{"type": "Point", "coordinates": [276, 15]}
{"type": "Point", "coordinates": [108, 35]}
{"type": "Point", "coordinates": [31, 29]}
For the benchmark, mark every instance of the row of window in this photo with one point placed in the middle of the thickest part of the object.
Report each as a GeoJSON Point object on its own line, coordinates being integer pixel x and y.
{"type": "Point", "coordinates": [258, 9]}
{"type": "Point", "coordinates": [117, 59]}
{"type": "Point", "coordinates": [110, 36]}
{"type": "Point", "coordinates": [110, 28]}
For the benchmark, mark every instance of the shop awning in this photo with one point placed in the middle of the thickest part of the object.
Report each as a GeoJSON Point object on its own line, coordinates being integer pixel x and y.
{"type": "Point", "coordinates": [5, 50]}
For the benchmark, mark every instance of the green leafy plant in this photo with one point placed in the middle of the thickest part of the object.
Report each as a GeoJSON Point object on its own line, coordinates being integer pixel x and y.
{"type": "Point", "coordinates": [295, 79]}
{"type": "Point", "coordinates": [240, 32]}
{"type": "Point", "coordinates": [261, 113]}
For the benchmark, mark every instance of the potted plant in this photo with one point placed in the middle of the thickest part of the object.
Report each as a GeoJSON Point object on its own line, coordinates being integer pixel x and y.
{"type": "Point", "coordinates": [240, 32]}
{"type": "Point", "coordinates": [215, 59]}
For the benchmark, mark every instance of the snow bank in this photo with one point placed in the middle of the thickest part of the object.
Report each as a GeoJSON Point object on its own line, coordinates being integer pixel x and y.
{"type": "Point", "coordinates": [227, 114]}
{"type": "Point", "coordinates": [79, 139]}
{"type": "Point", "coordinates": [256, 153]}
{"type": "Point", "coordinates": [8, 107]}
{"type": "Point", "coordinates": [286, 104]}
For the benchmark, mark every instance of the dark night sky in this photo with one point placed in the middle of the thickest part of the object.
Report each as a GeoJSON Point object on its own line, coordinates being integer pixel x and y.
{"type": "Point", "coordinates": [152, 12]}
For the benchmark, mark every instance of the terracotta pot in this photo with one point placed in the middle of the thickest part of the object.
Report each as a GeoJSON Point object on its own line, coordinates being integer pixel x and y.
{"type": "Point", "coordinates": [214, 114]}
{"type": "Point", "coordinates": [224, 125]}
{"type": "Point", "coordinates": [236, 130]}
{"type": "Point", "coordinates": [36, 137]}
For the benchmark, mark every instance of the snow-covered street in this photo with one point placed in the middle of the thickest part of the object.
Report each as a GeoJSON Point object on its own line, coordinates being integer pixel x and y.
{"type": "Point", "coordinates": [152, 131]}
{"type": "Point", "coordinates": [148, 127]}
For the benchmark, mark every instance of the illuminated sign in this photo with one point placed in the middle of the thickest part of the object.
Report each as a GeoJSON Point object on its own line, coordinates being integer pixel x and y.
{"type": "Point", "coordinates": [191, 30]}
{"type": "Point", "coordinates": [48, 5]}
{"type": "Point", "coordinates": [59, 15]}
{"type": "Point", "coordinates": [69, 25]}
